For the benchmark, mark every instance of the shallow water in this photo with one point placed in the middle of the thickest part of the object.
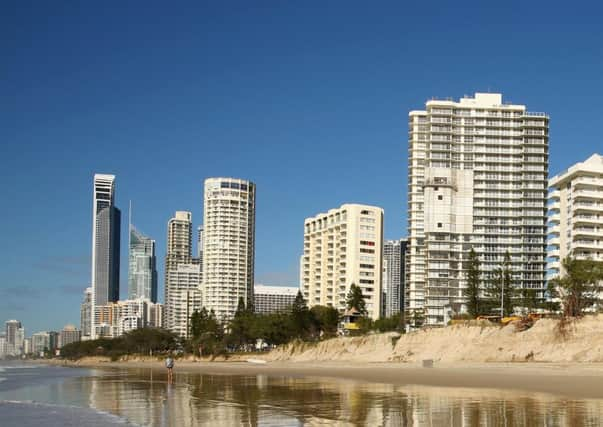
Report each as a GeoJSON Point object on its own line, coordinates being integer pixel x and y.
{"type": "Point", "coordinates": [54, 396]}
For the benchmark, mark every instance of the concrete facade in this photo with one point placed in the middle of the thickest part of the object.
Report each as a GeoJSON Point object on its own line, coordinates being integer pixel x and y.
{"type": "Point", "coordinates": [228, 245]}
{"type": "Point", "coordinates": [477, 177]}
{"type": "Point", "coordinates": [575, 214]}
{"type": "Point", "coordinates": [271, 299]}
{"type": "Point", "coordinates": [341, 247]}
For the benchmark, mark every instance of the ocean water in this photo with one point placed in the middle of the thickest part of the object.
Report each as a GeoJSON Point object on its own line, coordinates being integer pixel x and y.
{"type": "Point", "coordinates": [35, 395]}
{"type": "Point", "coordinates": [57, 396]}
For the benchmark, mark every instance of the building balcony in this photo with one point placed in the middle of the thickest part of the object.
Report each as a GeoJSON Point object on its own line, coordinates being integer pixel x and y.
{"type": "Point", "coordinates": [554, 252]}
{"type": "Point", "coordinates": [588, 232]}
{"type": "Point", "coordinates": [589, 219]}
{"type": "Point", "coordinates": [587, 194]}
{"type": "Point", "coordinates": [554, 195]}
{"type": "Point", "coordinates": [587, 244]}
{"type": "Point", "coordinates": [588, 181]}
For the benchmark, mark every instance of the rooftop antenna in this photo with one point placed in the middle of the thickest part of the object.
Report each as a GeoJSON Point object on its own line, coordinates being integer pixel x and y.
{"type": "Point", "coordinates": [129, 223]}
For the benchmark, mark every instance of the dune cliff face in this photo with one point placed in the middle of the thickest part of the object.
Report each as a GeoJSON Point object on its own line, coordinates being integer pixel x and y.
{"type": "Point", "coordinates": [457, 343]}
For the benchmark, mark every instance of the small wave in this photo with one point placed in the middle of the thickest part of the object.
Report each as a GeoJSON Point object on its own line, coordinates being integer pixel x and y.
{"type": "Point", "coordinates": [88, 415]}
{"type": "Point", "coordinates": [4, 367]}
{"type": "Point", "coordinates": [2, 379]}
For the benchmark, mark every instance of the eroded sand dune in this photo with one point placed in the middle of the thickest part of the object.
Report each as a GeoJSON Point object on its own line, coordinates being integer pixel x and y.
{"type": "Point", "coordinates": [469, 343]}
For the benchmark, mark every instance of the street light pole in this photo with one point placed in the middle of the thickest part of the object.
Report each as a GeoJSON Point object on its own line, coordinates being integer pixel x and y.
{"type": "Point", "coordinates": [502, 295]}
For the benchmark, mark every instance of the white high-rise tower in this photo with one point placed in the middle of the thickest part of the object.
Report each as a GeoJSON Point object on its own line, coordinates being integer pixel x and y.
{"type": "Point", "coordinates": [576, 214]}
{"type": "Point", "coordinates": [477, 177]}
{"type": "Point", "coordinates": [228, 244]}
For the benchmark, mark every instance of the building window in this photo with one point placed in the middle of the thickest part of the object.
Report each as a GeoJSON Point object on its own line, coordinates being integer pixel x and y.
{"type": "Point", "coordinates": [440, 197]}
{"type": "Point", "coordinates": [439, 225]}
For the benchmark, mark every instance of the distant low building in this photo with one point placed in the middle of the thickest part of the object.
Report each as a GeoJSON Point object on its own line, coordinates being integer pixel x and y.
{"type": "Point", "coordinates": [270, 299]}
{"type": "Point", "coordinates": [40, 343]}
{"type": "Point", "coordinates": [116, 319]}
{"type": "Point", "coordinates": [3, 347]}
{"type": "Point", "coordinates": [27, 346]}
{"type": "Point", "coordinates": [68, 335]}
{"type": "Point", "coordinates": [86, 314]}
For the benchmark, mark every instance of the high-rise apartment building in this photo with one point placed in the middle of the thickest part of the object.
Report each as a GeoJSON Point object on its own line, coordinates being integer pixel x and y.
{"type": "Point", "coordinates": [15, 335]}
{"type": "Point", "coordinates": [184, 282]}
{"type": "Point", "coordinates": [86, 314]}
{"type": "Point", "coordinates": [106, 223]}
{"type": "Point", "coordinates": [228, 244]}
{"type": "Point", "coordinates": [341, 247]}
{"type": "Point", "coordinates": [179, 251]}
{"type": "Point", "coordinates": [142, 272]}
{"type": "Point", "coordinates": [477, 177]}
{"type": "Point", "coordinates": [200, 243]}
{"type": "Point", "coordinates": [271, 299]}
{"type": "Point", "coordinates": [576, 214]}
{"type": "Point", "coordinates": [394, 252]}
{"type": "Point", "coordinates": [179, 240]}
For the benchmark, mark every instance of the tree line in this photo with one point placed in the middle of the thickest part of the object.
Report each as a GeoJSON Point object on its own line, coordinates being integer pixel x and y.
{"type": "Point", "coordinates": [577, 290]}
{"type": "Point", "coordinates": [209, 337]}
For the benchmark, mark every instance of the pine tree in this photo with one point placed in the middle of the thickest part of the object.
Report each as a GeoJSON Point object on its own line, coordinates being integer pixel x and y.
{"type": "Point", "coordinates": [502, 290]}
{"type": "Point", "coordinates": [472, 291]}
{"type": "Point", "coordinates": [355, 299]}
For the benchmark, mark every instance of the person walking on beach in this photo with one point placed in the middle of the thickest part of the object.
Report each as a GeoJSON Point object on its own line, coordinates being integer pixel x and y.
{"type": "Point", "coordinates": [169, 364]}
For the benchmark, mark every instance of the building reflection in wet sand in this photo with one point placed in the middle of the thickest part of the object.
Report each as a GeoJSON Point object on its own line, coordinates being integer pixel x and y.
{"type": "Point", "coordinates": [143, 397]}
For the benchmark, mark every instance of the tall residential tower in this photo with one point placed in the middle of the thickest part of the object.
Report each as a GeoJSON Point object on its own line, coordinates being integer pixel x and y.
{"type": "Point", "coordinates": [394, 256]}
{"type": "Point", "coordinates": [477, 177]}
{"type": "Point", "coordinates": [106, 223]}
{"type": "Point", "coordinates": [182, 276]}
{"type": "Point", "coordinates": [228, 244]}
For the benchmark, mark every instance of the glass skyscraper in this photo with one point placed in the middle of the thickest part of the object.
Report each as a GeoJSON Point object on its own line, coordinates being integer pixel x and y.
{"type": "Point", "coordinates": [142, 272]}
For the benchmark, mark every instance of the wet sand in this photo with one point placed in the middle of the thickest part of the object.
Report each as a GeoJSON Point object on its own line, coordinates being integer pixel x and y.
{"type": "Point", "coordinates": [570, 380]}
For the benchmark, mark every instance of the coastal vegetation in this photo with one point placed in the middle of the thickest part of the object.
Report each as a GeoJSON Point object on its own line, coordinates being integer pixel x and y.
{"type": "Point", "coordinates": [139, 341]}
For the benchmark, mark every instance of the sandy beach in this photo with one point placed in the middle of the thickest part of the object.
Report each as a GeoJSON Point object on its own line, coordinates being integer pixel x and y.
{"type": "Point", "coordinates": [468, 356]}
{"type": "Point", "coordinates": [571, 380]}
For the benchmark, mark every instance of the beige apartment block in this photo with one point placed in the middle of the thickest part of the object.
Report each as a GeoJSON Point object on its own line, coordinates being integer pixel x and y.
{"type": "Point", "coordinates": [341, 247]}
{"type": "Point", "coordinates": [477, 177]}
{"type": "Point", "coordinates": [179, 251]}
{"type": "Point", "coordinates": [228, 245]}
{"type": "Point", "coordinates": [184, 297]}
{"type": "Point", "coordinates": [576, 214]}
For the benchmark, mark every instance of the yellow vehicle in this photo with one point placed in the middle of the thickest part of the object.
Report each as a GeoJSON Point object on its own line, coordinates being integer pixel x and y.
{"type": "Point", "coordinates": [506, 320]}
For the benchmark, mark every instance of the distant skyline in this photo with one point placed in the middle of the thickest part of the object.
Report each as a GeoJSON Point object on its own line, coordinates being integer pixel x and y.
{"type": "Point", "coordinates": [308, 101]}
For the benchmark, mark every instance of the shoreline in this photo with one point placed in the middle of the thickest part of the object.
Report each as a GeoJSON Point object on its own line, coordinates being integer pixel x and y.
{"type": "Point", "coordinates": [572, 380]}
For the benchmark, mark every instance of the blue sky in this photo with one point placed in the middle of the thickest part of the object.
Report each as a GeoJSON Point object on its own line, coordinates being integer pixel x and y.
{"type": "Point", "coordinates": [308, 99]}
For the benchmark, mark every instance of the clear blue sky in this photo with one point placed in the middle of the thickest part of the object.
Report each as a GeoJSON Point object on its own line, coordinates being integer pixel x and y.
{"type": "Point", "coordinates": [308, 99]}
